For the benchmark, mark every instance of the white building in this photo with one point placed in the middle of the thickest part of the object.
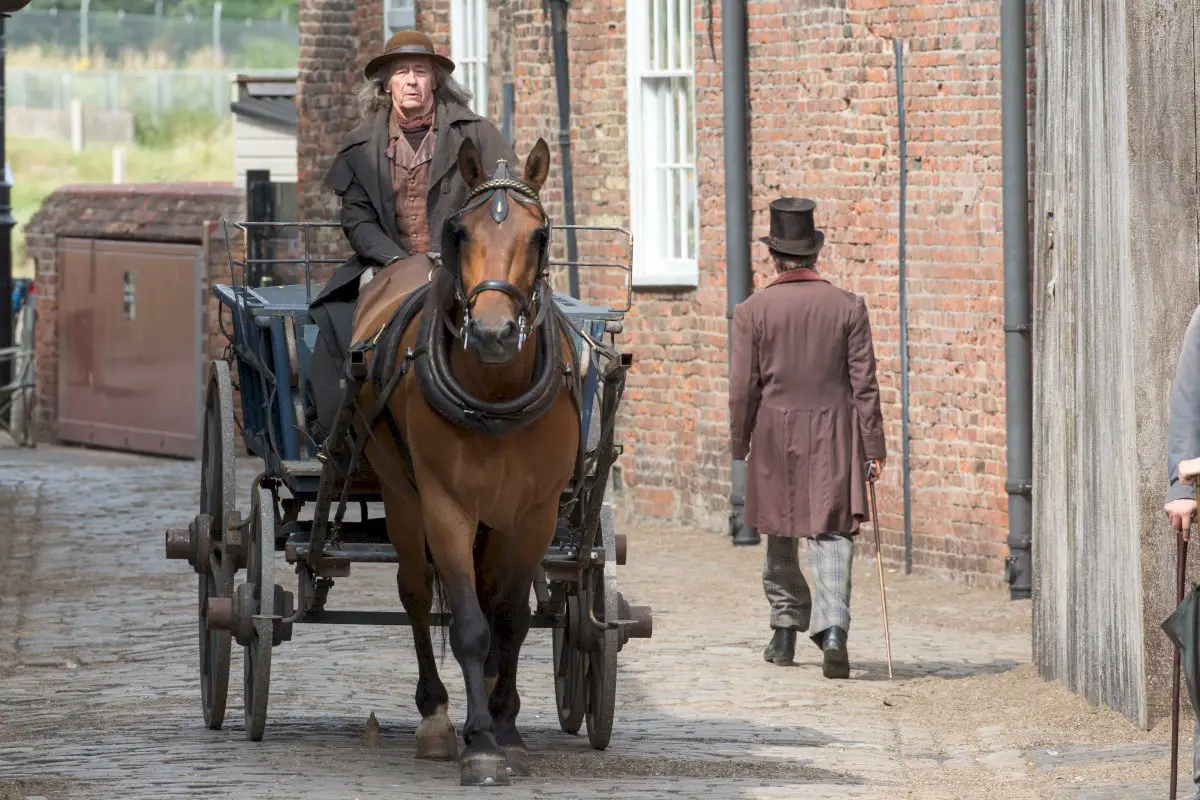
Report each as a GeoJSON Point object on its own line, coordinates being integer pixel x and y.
{"type": "Point", "coordinates": [264, 127]}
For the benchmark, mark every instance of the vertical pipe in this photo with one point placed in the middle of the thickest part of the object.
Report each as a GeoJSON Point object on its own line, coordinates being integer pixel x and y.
{"type": "Point", "coordinates": [734, 71]}
{"type": "Point", "coordinates": [216, 31]}
{"type": "Point", "coordinates": [6, 225]}
{"type": "Point", "coordinates": [506, 116]}
{"type": "Point", "coordinates": [562, 75]}
{"type": "Point", "coordinates": [905, 462]}
{"type": "Point", "coordinates": [1017, 321]}
{"type": "Point", "coordinates": [83, 28]}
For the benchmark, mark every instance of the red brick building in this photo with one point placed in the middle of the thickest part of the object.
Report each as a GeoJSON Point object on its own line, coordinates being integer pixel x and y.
{"type": "Point", "coordinates": [647, 154]}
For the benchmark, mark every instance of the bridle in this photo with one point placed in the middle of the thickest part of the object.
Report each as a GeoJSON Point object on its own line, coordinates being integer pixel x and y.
{"type": "Point", "coordinates": [497, 192]}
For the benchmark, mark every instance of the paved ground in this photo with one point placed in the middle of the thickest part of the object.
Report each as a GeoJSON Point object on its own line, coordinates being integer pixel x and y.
{"type": "Point", "coordinates": [100, 699]}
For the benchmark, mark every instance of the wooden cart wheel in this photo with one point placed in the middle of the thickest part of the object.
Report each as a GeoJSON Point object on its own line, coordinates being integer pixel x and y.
{"type": "Point", "coordinates": [570, 673]}
{"type": "Point", "coordinates": [218, 490]}
{"type": "Point", "coordinates": [261, 595]}
{"type": "Point", "coordinates": [602, 660]}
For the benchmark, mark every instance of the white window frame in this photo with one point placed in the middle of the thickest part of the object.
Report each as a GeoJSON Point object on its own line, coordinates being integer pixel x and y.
{"type": "Point", "coordinates": [666, 246]}
{"type": "Point", "coordinates": [469, 49]}
{"type": "Point", "coordinates": [398, 15]}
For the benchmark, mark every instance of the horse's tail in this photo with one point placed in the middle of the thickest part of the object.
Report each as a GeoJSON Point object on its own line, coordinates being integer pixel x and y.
{"type": "Point", "coordinates": [439, 595]}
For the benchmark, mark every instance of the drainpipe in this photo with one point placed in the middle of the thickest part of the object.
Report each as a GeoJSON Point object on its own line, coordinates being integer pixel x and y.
{"type": "Point", "coordinates": [562, 81]}
{"type": "Point", "coordinates": [905, 461]}
{"type": "Point", "coordinates": [738, 279]}
{"type": "Point", "coordinates": [1017, 319]}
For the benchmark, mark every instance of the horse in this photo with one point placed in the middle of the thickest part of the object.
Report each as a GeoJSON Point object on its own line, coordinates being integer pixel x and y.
{"type": "Point", "coordinates": [475, 437]}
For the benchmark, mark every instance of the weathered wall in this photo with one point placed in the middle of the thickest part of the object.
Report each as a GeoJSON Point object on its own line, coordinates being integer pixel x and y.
{"type": "Point", "coordinates": [1115, 277]}
{"type": "Point", "coordinates": [1163, 235]}
{"type": "Point", "coordinates": [823, 124]}
{"type": "Point", "coordinates": [146, 212]}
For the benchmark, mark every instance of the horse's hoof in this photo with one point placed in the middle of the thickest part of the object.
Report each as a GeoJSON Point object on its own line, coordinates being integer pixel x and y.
{"type": "Point", "coordinates": [518, 762]}
{"type": "Point", "coordinates": [484, 769]}
{"type": "Point", "coordinates": [436, 740]}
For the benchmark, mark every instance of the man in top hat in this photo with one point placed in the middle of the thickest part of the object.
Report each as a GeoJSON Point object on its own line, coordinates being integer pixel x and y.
{"type": "Point", "coordinates": [804, 413]}
{"type": "Point", "coordinates": [398, 179]}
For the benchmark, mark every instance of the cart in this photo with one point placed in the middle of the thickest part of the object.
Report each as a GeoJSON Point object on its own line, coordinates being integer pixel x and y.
{"type": "Point", "coordinates": [271, 337]}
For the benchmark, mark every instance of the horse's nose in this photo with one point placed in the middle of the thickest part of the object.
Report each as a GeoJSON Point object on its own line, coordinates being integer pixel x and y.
{"type": "Point", "coordinates": [496, 334]}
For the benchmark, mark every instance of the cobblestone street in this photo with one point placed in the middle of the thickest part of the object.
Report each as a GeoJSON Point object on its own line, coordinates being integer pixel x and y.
{"type": "Point", "coordinates": [100, 696]}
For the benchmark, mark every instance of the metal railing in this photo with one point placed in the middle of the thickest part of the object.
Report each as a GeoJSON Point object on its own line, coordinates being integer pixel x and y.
{"type": "Point", "coordinates": [153, 91]}
{"type": "Point", "coordinates": [302, 246]}
{"type": "Point", "coordinates": [113, 34]}
{"type": "Point", "coordinates": [17, 398]}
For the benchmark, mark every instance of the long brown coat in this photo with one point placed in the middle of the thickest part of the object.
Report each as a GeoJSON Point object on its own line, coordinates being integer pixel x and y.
{"type": "Point", "coordinates": [804, 406]}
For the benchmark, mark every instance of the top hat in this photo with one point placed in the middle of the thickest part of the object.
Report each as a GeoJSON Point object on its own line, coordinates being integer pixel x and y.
{"type": "Point", "coordinates": [407, 43]}
{"type": "Point", "coordinates": [792, 229]}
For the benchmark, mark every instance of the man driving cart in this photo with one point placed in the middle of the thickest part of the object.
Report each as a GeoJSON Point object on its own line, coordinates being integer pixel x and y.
{"type": "Point", "coordinates": [398, 179]}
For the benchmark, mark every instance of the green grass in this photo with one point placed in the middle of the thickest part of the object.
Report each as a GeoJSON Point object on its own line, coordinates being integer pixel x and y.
{"type": "Point", "coordinates": [178, 151]}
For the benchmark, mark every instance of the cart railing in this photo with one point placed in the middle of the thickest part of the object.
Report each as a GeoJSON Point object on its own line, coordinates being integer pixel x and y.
{"type": "Point", "coordinates": [305, 257]}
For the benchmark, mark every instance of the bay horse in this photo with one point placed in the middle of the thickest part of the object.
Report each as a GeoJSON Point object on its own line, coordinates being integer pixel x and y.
{"type": "Point", "coordinates": [476, 437]}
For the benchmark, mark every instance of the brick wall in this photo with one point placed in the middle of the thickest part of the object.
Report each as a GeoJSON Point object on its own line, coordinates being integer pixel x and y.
{"type": "Point", "coordinates": [824, 125]}
{"type": "Point", "coordinates": [178, 213]}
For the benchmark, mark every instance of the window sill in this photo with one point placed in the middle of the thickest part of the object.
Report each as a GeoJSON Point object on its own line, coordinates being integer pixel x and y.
{"type": "Point", "coordinates": [667, 276]}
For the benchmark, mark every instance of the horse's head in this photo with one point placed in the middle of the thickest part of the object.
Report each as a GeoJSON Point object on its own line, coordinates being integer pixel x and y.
{"type": "Point", "coordinates": [496, 249]}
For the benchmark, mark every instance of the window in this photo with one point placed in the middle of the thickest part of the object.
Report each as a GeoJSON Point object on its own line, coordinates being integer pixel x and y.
{"type": "Point", "coordinates": [398, 15]}
{"type": "Point", "coordinates": [469, 49]}
{"type": "Point", "coordinates": [664, 213]}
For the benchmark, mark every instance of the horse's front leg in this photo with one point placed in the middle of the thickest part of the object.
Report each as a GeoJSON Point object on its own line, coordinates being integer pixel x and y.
{"type": "Point", "coordinates": [509, 565]}
{"type": "Point", "coordinates": [450, 534]}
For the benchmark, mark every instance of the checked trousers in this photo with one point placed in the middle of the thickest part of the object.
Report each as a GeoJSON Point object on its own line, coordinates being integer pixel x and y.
{"type": "Point", "coordinates": [793, 603]}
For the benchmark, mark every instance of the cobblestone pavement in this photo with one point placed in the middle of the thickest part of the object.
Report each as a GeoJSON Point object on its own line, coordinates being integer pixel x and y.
{"type": "Point", "coordinates": [100, 698]}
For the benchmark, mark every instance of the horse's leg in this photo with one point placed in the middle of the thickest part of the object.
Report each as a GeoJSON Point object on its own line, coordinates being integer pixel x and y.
{"type": "Point", "coordinates": [450, 534]}
{"type": "Point", "coordinates": [491, 667]}
{"type": "Point", "coordinates": [509, 565]}
{"type": "Point", "coordinates": [436, 739]}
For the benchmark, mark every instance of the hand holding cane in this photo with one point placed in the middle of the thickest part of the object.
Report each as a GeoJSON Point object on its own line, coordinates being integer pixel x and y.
{"type": "Point", "coordinates": [1189, 470]}
{"type": "Point", "coordinates": [872, 476]}
{"type": "Point", "coordinates": [1181, 544]}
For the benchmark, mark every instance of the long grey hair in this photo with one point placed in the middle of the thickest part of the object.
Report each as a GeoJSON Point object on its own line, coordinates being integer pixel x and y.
{"type": "Point", "coordinates": [373, 94]}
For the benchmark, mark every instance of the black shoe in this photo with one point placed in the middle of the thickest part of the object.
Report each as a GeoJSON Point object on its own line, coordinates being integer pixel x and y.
{"type": "Point", "coordinates": [837, 660]}
{"type": "Point", "coordinates": [782, 649]}
{"type": "Point", "coordinates": [743, 535]}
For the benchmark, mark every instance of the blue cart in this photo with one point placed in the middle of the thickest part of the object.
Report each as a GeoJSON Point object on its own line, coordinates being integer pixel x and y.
{"type": "Point", "coordinates": [297, 505]}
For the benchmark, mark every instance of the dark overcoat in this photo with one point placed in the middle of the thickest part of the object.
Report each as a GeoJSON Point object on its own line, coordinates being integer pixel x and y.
{"type": "Point", "coordinates": [361, 176]}
{"type": "Point", "coordinates": [804, 406]}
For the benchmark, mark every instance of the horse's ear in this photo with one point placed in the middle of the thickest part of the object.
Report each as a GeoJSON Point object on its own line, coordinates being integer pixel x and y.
{"type": "Point", "coordinates": [537, 166]}
{"type": "Point", "coordinates": [470, 164]}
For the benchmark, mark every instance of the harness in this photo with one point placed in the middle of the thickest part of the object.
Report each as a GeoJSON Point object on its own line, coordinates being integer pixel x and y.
{"type": "Point", "coordinates": [539, 316]}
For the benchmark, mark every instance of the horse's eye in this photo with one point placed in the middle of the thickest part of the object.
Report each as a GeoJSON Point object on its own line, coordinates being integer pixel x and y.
{"type": "Point", "coordinates": [539, 238]}
{"type": "Point", "coordinates": [460, 234]}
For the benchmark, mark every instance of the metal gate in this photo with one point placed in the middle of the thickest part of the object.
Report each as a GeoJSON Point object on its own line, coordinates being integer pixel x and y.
{"type": "Point", "coordinates": [129, 337]}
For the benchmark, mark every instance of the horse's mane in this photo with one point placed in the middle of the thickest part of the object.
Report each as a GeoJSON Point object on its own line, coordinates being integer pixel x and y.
{"type": "Point", "coordinates": [441, 291]}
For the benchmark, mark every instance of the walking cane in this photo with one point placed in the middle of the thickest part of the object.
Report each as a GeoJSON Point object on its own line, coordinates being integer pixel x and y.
{"type": "Point", "coordinates": [887, 636]}
{"type": "Point", "coordinates": [1181, 545]}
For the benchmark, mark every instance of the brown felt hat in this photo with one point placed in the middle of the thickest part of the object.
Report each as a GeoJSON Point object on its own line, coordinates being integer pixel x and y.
{"type": "Point", "coordinates": [792, 230]}
{"type": "Point", "coordinates": [407, 43]}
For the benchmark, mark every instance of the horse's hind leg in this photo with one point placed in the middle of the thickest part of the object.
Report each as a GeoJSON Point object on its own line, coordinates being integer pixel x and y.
{"type": "Point", "coordinates": [450, 534]}
{"type": "Point", "coordinates": [436, 739]}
